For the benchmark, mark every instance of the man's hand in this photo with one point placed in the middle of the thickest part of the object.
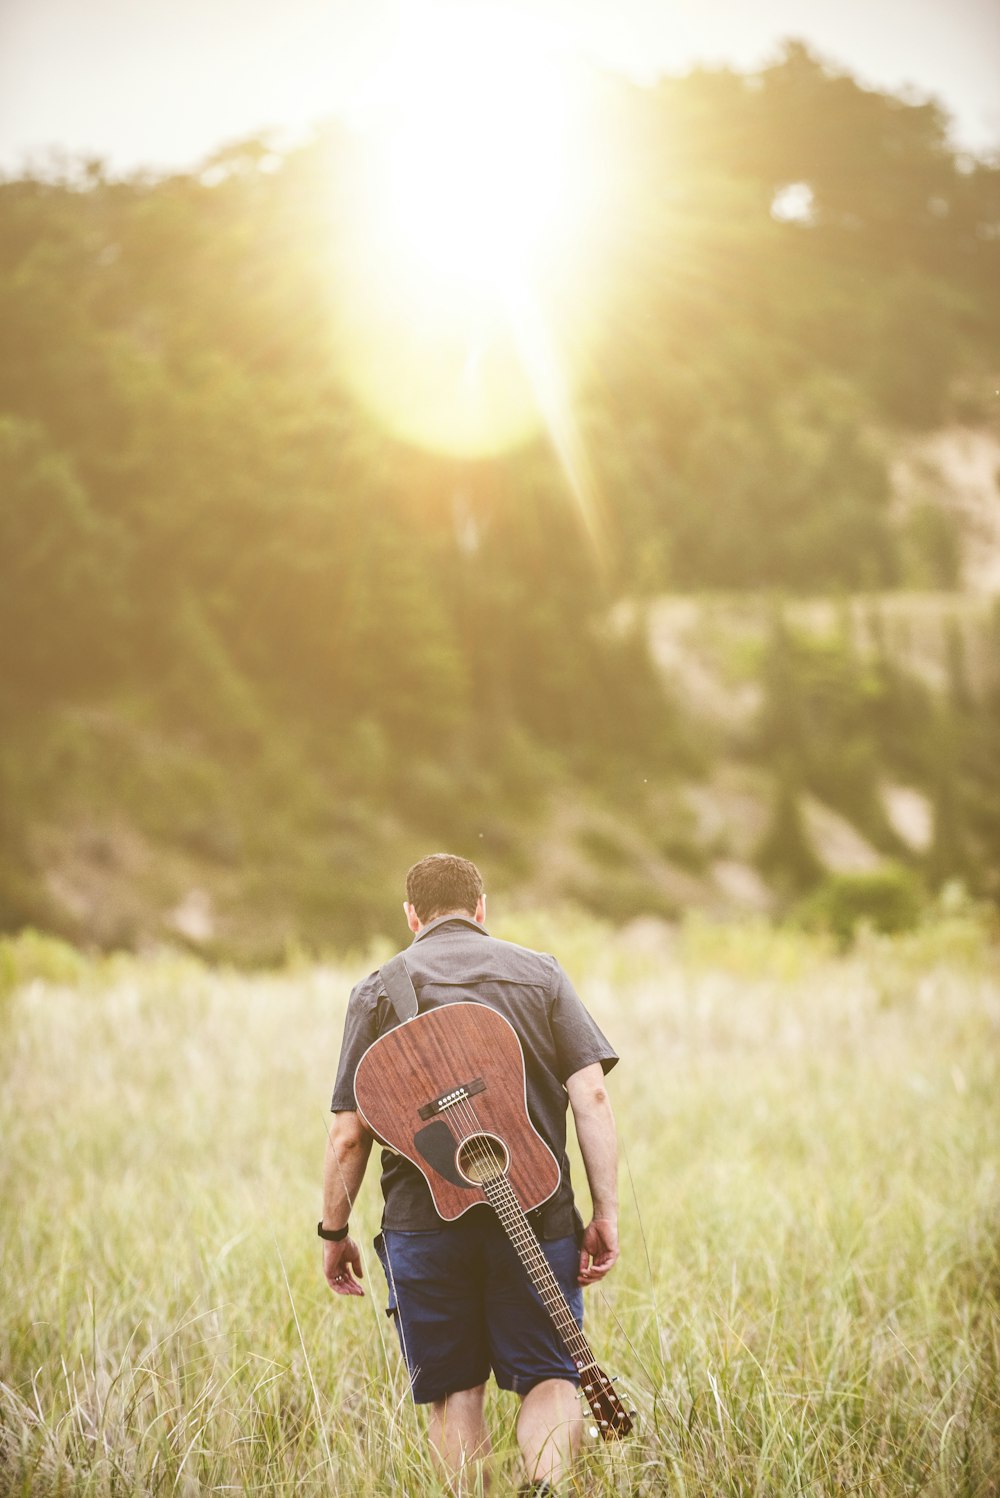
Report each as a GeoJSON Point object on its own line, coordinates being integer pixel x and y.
{"type": "Point", "coordinates": [347, 1149]}
{"type": "Point", "coordinates": [598, 1251]}
{"type": "Point", "coordinates": [595, 1129]}
{"type": "Point", "coordinates": [341, 1262]}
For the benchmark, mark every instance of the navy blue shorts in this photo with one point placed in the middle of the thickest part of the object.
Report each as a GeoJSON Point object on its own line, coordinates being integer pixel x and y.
{"type": "Point", "coordinates": [463, 1307]}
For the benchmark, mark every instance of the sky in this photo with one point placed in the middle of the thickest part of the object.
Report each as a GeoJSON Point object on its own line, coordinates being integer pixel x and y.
{"type": "Point", "coordinates": [146, 83]}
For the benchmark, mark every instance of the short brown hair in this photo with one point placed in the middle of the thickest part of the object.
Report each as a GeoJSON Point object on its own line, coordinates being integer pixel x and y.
{"type": "Point", "coordinates": [443, 882]}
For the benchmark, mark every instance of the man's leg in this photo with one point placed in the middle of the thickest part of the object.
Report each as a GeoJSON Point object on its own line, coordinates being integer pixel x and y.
{"type": "Point", "coordinates": [435, 1292]}
{"type": "Point", "coordinates": [458, 1437]}
{"type": "Point", "coordinates": [549, 1430]}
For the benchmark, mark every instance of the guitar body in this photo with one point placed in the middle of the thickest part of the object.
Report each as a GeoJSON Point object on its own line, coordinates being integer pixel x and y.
{"type": "Point", "coordinates": [403, 1085]}
{"type": "Point", "coordinates": [446, 1090]}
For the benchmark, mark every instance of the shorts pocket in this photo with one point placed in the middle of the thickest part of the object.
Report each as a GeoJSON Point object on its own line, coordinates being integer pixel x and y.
{"type": "Point", "coordinates": [378, 1243]}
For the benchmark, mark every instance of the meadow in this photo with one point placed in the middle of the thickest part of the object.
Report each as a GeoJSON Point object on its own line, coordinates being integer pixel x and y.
{"type": "Point", "coordinates": [807, 1301]}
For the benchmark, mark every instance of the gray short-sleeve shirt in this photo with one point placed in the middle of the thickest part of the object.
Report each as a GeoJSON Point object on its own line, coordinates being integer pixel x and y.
{"type": "Point", "coordinates": [454, 960]}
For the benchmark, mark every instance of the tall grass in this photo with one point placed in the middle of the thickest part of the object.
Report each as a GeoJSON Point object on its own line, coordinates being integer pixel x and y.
{"type": "Point", "coordinates": [807, 1300]}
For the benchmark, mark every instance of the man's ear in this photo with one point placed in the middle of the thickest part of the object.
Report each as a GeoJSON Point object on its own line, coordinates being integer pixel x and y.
{"type": "Point", "coordinates": [480, 914]}
{"type": "Point", "coordinates": [412, 919]}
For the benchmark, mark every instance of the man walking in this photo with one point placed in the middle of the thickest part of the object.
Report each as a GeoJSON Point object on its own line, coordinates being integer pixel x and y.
{"type": "Point", "coordinates": [461, 1302]}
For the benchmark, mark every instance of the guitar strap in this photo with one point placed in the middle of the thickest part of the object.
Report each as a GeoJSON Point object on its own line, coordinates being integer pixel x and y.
{"type": "Point", "coordinates": [398, 985]}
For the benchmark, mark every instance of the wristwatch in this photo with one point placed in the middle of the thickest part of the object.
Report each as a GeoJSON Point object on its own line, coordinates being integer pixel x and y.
{"type": "Point", "coordinates": [332, 1235]}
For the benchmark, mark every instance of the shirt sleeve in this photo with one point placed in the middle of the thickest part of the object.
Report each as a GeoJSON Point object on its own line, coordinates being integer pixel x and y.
{"type": "Point", "coordinates": [360, 1031]}
{"type": "Point", "coordinates": [578, 1040]}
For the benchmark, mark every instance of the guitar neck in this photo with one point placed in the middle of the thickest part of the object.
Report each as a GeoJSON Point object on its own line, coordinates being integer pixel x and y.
{"type": "Point", "coordinates": [612, 1419]}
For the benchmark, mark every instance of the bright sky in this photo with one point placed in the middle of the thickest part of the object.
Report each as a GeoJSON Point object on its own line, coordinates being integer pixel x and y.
{"type": "Point", "coordinates": [147, 82]}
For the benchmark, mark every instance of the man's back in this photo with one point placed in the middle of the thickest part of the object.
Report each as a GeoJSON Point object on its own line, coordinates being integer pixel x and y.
{"type": "Point", "coordinates": [453, 960]}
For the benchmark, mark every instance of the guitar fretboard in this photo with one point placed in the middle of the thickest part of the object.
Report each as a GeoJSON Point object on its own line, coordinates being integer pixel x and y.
{"type": "Point", "coordinates": [613, 1420]}
{"type": "Point", "coordinates": [501, 1197]}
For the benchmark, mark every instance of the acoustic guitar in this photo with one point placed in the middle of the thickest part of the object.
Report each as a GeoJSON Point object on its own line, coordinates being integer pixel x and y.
{"type": "Point", "coordinates": [446, 1089]}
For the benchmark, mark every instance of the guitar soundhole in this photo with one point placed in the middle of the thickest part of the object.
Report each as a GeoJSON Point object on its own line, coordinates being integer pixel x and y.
{"type": "Point", "coordinates": [482, 1157]}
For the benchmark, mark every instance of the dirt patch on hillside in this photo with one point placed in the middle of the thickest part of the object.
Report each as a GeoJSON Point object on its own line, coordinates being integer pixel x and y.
{"type": "Point", "coordinates": [958, 469]}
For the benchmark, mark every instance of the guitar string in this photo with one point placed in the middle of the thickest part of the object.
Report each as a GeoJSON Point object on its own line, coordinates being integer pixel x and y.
{"type": "Point", "coordinates": [606, 1408]}
{"type": "Point", "coordinates": [603, 1398]}
{"type": "Point", "coordinates": [609, 1411]}
{"type": "Point", "coordinates": [479, 1152]}
{"type": "Point", "coordinates": [504, 1201]}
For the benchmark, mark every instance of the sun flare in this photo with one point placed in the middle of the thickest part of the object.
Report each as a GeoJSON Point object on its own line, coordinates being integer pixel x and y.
{"type": "Point", "coordinates": [477, 202]}
{"type": "Point", "coordinates": [476, 167]}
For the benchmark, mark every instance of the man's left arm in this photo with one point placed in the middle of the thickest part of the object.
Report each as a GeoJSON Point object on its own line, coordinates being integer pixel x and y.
{"type": "Point", "coordinates": [348, 1146]}
{"type": "Point", "coordinates": [595, 1129]}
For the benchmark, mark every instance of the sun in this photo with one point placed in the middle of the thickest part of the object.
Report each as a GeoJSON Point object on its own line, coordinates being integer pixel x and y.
{"type": "Point", "coordinates": [477, 166]}
{"type": "Point", "coordinates": [473, 218]}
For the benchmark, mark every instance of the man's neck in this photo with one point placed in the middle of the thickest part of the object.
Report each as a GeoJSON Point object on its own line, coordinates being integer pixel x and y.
{"type": "Point", "coordinates": [446, 915]}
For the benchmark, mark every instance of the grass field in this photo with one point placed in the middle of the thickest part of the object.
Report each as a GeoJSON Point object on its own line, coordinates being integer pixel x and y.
{"type": "Point", "coordinates": [807, 1300]}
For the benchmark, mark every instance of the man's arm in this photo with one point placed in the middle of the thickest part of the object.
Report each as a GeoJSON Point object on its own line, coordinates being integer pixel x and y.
{"type": "Point", "coordinates": [595, 1129]}
{"type": "Point", "coordinates": [348, 1146]}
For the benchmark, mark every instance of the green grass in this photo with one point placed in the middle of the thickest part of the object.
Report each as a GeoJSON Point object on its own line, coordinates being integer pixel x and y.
{"type": "Point", "coordinates": [807, 1300]}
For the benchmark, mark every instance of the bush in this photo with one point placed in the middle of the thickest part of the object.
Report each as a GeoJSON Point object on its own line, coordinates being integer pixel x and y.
{"type": "Point", "coordinates": [890, 899]}
{"type": "Point", "coordinates": [32, 955]}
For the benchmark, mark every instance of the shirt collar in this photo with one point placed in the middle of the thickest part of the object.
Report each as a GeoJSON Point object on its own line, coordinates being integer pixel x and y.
{"type": "Point", "coordinates": [445, 920]}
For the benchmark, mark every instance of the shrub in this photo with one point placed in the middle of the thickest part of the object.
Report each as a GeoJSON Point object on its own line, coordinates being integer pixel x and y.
{"type": "Point", "coordinates": [889, 899]}
{"type": "Point", "coordinates": [32, 955]}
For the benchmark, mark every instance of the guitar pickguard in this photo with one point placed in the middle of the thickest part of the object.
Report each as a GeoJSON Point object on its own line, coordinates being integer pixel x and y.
{"type": "Point", "coordinates": [436, 1144]}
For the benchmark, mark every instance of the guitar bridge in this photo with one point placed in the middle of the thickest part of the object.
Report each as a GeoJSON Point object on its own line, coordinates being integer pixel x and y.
{"type": "Point", "coordinates": [451, 1097]}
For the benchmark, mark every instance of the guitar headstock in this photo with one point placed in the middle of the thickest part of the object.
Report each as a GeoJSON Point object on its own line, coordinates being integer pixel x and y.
{"type": "Point", "coordinates": [613, 1420]}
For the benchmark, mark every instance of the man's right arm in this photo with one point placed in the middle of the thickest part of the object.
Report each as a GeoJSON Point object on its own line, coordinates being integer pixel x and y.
{"type": "Point", "coordinates": [348, 1142]}
{"type": "Point", "coordinates": [347, 1149]}
{"type": "Point", "coordinates": [595, 1129]}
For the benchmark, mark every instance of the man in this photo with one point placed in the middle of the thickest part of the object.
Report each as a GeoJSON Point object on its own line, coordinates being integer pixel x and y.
{"type": "Point", "coordinates": [461, 1302]}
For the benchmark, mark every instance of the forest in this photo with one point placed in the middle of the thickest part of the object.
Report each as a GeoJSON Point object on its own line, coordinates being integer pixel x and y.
{"type": "Point", "coordinates": [252, 639]}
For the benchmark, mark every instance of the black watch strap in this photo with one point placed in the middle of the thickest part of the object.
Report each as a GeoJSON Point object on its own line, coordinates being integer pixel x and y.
{"type": "Point", "coordinates": [332, 1235]}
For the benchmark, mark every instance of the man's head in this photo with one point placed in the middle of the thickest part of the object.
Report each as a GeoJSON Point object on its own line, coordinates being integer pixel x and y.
{"type": "Point", "coordinates": [443, 884]}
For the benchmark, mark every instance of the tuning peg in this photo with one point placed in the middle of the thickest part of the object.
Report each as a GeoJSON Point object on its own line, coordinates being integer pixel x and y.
{"type": "Point", "coordinates": [594, 1431]}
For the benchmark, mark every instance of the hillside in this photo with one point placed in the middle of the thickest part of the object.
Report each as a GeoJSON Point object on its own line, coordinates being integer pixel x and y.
{"type": "Point", "coordinates": [142, 838]}
{"type": "Point", "coordinates": [720, 624]}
